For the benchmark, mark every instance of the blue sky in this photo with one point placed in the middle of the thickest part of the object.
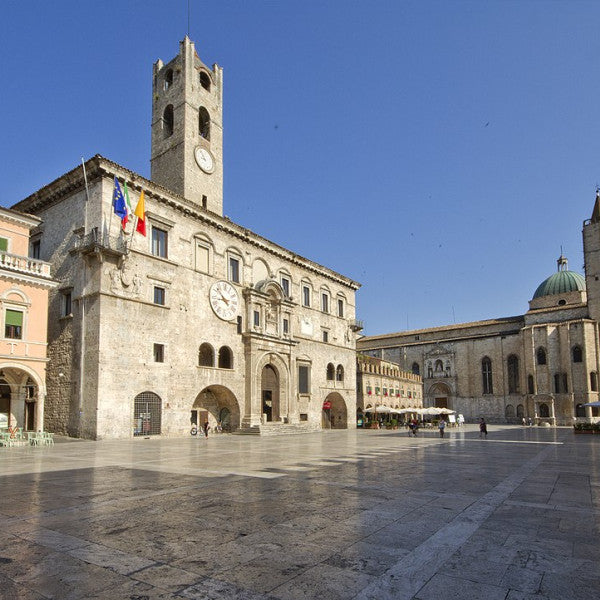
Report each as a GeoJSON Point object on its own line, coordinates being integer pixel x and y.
{"type": "Point", "coordinates": [440, 153]}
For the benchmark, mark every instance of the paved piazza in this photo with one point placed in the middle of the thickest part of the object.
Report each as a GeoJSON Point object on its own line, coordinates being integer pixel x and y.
{"type": "Point", "coordinates": [332, 515]}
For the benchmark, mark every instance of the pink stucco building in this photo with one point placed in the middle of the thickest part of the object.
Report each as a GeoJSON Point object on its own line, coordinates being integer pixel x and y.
{"type": "Point", "coordinates": [24, 285]}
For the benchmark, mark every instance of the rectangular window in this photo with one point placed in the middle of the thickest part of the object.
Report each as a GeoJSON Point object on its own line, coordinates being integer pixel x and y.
{"type": "Point", "coordinates": [325, 302]}
{"type": "Point", "coordinates": [3, 244]}
{"type": "Point", "coordinates": [377, 390]}
{"type": "Point", "coordinates": [13, 324]}
{"type": "Point", "coordinates": [67, 304]}
{"type": "Point", "coordinates": [256, 318]}
{"type": "Point", "coordinates": [234, 269]}
{"type": "Point", "coordinates": [326, 336]}
{"type": "Point", "coordinates": [286, 326]}
{"type": "Point", "coordinates": [159, 242]}
{"type": "Point", "coordinates": [239, 324]}
{"type": "Point", "coordinates": [369, 390]}
{"type": "Point", "coordinates": [385, 392]}
{"type": "Point", "coordinates": [159, 353]}
{"type": "Point", "coordinates": [36, 249]}
{"type": "Point", "coordinates": [159, 295]}
{"type": "Point", "coordinates": [201, 258]}
{"type": "Point", "coordinates": [305, 295]}
{"type": "Point", "coordinates": [340, 307]}
{"type": "Point", "coordinates": [285, 284]}
{"type": "Point", "coordinates": [303, 379]}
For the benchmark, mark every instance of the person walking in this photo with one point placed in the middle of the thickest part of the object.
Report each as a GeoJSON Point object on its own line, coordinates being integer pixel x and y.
{"type": "Point", "coordinates": [205, 428]}
{"type": "Point", "coordinates": [482, 428]}
{"type": "Point", "coordinates": [442, 427]}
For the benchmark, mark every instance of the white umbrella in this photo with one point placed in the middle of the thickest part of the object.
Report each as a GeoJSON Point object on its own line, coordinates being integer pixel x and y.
{"type": "Point", "coordinates": [378, 409]}
{"type": "Point", "coordinates": [446, 411]}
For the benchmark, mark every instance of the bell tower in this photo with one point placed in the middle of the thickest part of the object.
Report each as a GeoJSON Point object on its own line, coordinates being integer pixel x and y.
{"type": "Point", "coordinates": [591, 254]}
{"type": "Point", "coordinates": [187, 128]}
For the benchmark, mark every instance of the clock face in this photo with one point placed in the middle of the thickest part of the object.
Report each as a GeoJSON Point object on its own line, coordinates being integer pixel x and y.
{"type": "Point", "coordinates": [204, 159]}
{"type": "Point", "coordinates": [224, 300]}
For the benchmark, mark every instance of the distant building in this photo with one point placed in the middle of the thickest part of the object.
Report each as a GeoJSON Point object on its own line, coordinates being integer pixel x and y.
{"type": "Point", "coordinates": [542, 365]}
{"type": "Point", "coordinates": [382, 386]}
{"type": "Point", "coordinates": [24, 285]}
{"type": "Point", "coordinates": [203, 319]}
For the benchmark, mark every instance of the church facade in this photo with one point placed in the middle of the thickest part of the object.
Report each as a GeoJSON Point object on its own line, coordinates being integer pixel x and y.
{"type": "Point", "coordinates": [198, 320]}
{"type": "Point", "coordinates": [542, 365]}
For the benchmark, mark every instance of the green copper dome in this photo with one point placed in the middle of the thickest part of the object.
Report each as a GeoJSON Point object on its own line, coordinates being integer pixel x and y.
{"type": "Point", "coordinates": [561, 283]}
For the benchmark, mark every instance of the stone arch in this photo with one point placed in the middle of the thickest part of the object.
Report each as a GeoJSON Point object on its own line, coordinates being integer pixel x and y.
{"type": "Point", "coordinates": [330, 372]}
{"type": "Point", "coordinates": [282, 397]}
{"type": "Point", "coordinates": [168, 121]}
{"type": "Point", "coordinates": [209, 405]}
{"type": "Point", "coordinates": [21, 398]}
{"type": "Point", "coordinates": [439, 395]}
{"type": "Point", "coordinates": [509, 412]}
{"type": "Point", "coordinates": [225, 358]}
{"type": "Point", "coordinates": [206, 355]}
{"type": "Point", "coordinates": [204, 123]}
{"type": "Point", "coordinates": [260, 271]}
{"type": "Point", "coordinates": [334, 413]}
{"type": "Point", "coordinates": [147, 414]}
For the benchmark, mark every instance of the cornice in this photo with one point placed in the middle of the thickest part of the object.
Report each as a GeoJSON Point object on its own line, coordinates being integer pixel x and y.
{"type": "Point", "coordinates": [99, 166]}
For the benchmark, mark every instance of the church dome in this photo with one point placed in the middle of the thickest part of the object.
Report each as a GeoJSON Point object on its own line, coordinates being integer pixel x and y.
{"type": "Point", "coordinates": [562, 282]}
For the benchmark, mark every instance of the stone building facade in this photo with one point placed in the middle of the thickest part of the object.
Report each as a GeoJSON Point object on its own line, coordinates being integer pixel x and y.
{"type": "Point", "coordinates": [200, 320]}
{"type": "Point", "coordinates": [25, 282]}
{"type": "Point", "coordinates": [381, 383]}
{"type": "Point", "coordinates": [542, 365]}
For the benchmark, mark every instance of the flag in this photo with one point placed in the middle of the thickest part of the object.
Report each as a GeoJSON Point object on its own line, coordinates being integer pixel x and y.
{"type": "Point", "coordinates": [119, 205]}
{"type": "Point", "coordinates": [140, 213]}
{"type": "Point", "coordinates": [127, 206]}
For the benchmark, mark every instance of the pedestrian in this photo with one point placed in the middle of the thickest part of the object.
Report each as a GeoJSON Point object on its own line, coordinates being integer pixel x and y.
{"type": "Point", "coordinates": [442, 426]}
{"type": "Point", "coordinates": [524, 422]}
{"type": "Point", "coordinates": [415, 427]}
{"type": "Point", "coordinates": [205, 428]}
{"type": "Point", "coordinates": [530, 422]}
{"type": "Point", "coordinates": [482, 428]}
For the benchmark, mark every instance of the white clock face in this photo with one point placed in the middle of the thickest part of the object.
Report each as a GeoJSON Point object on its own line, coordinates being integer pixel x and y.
{"type": "Point", "coordinates": [224, 300]}
{"type": "Point", "coordinates": [204, 159]}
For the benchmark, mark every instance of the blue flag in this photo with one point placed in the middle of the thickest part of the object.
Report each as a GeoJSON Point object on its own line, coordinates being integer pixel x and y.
{"type": "Point", "coordinates": [119, 205]}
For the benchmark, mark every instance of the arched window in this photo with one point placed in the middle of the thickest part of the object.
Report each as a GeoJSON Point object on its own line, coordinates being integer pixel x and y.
{"type": "Point", "coordinates": [594, 381]}
{"type": "Point", "coordinates": [416, 369]}
{"type": "Point", "coordinates": [206, 356]}
{"type": "Point", "coordinates": [225, 358]}
{"type": "Point", "coordinates": [339, 373]}
{"type": "Point", "coordinates": [330, 372]}
{"type": "Point", "coordinates": [541, 356]}
{"type": "Point", "coordinates": [204, 123]}
{"type": "Point", "coordinates": [168, 121]}
{"type": "Point", "coordinates": [513, 374]}
{"type": "Point", "coordinates": [530, 384]}
{"type": "Point", "coordinates": [520, 411]}
{"type": "Point", "coordinates": [168, 79]}
{"type": "Point", "coordinates": [577, 354]}
{"type": "Point", "coordinates": [486, 372]}
{"type": "Point", "coordinates": [544, 411]}
{"type": "Point", "coordinates": [205, 80]}
{"type": "Point", "coordinates": [147, 414]}
{"type": "Point", "coordinates": [580, 410]}
{"type": "Point", "coordinates": [509, 411]}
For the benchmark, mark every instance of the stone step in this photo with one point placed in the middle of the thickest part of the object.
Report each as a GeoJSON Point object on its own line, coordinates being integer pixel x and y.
{"type": "Point", "coordinates": [277, 429]}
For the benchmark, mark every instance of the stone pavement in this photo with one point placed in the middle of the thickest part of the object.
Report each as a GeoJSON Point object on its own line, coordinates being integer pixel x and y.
{"type": "Point", "coordinates": [331, 515]}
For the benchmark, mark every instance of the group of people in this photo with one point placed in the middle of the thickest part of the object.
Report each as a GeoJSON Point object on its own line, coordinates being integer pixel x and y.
{"type": "Point", "coordinates": [413, 427]}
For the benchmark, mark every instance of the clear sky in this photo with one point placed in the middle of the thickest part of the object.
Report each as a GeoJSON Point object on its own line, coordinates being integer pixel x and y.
{"type": "Point", "coordinates": [439, 153]}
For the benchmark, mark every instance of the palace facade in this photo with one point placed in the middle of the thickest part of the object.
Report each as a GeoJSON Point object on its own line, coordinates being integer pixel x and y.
{"type": "Point", "coordinates": [199, 320]}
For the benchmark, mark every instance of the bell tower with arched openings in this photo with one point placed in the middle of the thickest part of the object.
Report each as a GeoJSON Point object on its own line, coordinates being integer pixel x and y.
{"type": "Point", "coordinates": [187, 128]}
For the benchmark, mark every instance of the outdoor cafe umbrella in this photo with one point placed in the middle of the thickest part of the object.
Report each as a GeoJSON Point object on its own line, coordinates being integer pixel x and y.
{"type": "Point", "coordinates": [596, 404]}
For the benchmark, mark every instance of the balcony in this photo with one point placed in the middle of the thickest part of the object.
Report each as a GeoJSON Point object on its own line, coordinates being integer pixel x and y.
{"type": "Point", "coordinates": [356, 325]}
{"type": "Point", "coordinates": [24, 265]}
{"type": "Point", "coordinates": [97, 242]}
